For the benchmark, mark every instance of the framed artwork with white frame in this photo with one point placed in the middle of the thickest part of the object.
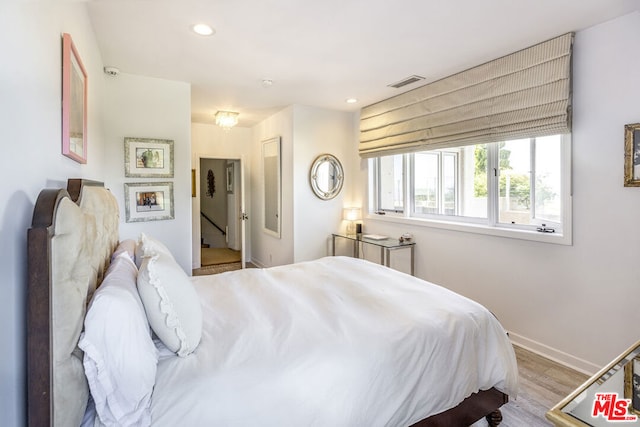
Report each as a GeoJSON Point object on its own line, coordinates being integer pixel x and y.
{"type": "Point", "coordinates": [148, 158]}
{"type": "Point", "coordinates": [148, 201]}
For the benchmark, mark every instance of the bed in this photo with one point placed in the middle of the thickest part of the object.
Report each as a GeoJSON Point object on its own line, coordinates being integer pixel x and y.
{"type": "Point", "coordinates": [332, 342]}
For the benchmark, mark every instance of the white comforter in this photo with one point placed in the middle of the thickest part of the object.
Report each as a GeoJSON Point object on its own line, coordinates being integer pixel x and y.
{"type": "Point", "coordinates": [333, 342]}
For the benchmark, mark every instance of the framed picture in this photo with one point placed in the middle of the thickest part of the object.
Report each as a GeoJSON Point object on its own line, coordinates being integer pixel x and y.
{"type": "Point", "coordinates": [74, 103]}
{"type": "Point", "coordinates": [148, 158]}
{"type": "Point", "coordinates": [632, 384]}
{"type": "Point", "coordinates": [230, 178]}
{"type": "Point", "coordinates": [632, 155]}
{"type": "Point", "coordinates": [193, 183]}
{"type": "Point", "coordinates": [148, 201]}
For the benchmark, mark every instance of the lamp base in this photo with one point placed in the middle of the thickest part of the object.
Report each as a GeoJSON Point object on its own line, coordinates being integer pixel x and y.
{"type": "Point", "coordinates": [351, 228]}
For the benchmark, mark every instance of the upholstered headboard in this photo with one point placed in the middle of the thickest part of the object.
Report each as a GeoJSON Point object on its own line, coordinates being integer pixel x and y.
{"type": "Point", "coordinates": [70, 242]}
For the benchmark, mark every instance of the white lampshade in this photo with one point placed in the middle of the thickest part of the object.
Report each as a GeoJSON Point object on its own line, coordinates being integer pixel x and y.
{"type": "Point", "coordinates": [351, 214]}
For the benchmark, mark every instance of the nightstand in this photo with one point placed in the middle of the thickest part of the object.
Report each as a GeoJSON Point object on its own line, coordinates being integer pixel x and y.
{"type": "Point", "coordinates": [386, 246]}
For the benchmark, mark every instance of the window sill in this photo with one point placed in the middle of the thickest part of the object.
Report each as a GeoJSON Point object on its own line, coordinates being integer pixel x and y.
{"type": "Point", "coordinates": [465, 227]}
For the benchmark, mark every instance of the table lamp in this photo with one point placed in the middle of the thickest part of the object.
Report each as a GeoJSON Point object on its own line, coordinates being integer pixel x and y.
{"type": "Point", "coordinates": [352, 215]}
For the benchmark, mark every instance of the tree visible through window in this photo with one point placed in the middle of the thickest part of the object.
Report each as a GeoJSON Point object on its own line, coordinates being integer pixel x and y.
{"type": "Point", "coordinates": [516, 183]}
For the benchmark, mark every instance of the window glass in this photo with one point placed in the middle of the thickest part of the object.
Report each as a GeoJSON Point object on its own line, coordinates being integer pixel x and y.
{"type": "Point", "coordinates": [445, 181]}
{"type": "Point", "coordinates": [509, 185]}
{"type": "Point", "coordinates": [548, 181]}
{"type": "Point", "coordinates": [391, 183]}
{"type": "Point", "coordinates": [514, 188]}
{"type": "Point", "coordinates": [475, 181]}
{"type": "Point", "coordinates": [425, 183]}
{"type": "Point", "coordinates": [449, 183]}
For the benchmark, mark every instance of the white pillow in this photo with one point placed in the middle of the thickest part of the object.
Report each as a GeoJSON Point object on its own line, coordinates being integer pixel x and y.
{"type": "Point", "coordinates": [128, 247]}
{"type": "Point", "coordinates": [120, 359]}
{"type": "Point", "coordinates": [148, 246]}
{"type": "Point", "coordinates": [171, 302]}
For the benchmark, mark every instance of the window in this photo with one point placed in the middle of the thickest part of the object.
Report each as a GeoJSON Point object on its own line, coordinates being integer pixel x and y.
{"type": "Point", "coordinates": [517, 186]}
{"type": "Point", "coordinates": [390, 184]}
{"type": "Point", "coordinates": [530, 181]}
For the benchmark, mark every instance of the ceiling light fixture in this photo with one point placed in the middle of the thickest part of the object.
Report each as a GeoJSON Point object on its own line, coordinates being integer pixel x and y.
{"type": "Point", "coordinates": [351, 100]}
{"type": "Point", "coordinates": [202, 29]}
{"type": "Point", "coordinates": [226, 119]}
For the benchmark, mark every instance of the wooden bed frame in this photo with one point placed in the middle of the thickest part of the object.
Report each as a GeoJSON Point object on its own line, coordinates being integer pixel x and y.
{"type": "Point", "coordinates": [40, 352]}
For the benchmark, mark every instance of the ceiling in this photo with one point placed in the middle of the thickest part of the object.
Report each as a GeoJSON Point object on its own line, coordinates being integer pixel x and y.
{"type": "Point", "coordinates": [319, 53]}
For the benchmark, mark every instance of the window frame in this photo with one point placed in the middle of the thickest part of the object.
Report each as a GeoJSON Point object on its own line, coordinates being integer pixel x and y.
{"type": "Point", "coordinates": [440, 193]}
{"type": "Point", "coordinates": [489, 225]}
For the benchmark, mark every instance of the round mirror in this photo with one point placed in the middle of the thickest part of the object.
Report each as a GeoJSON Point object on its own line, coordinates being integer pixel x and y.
{"type": "Point", "coordinates": [326, 176]}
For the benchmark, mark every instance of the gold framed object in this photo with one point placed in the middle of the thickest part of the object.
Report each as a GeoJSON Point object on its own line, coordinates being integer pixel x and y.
{"type": "Point", "coordinates": [602, 399]}
{"type": "Point", "coordinates": [632, 155]}
{"type": "Point", "coordinates": [193, 183]}
{"type": "Point", "coordinates": [632, 385]}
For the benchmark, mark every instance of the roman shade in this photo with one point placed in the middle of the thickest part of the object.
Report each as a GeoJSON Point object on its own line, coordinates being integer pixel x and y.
{"type": "Point", "coordinates": [525, 94]}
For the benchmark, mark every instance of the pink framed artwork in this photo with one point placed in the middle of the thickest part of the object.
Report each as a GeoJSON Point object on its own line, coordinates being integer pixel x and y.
{"type": "Point", "coordinates": [74, 103]}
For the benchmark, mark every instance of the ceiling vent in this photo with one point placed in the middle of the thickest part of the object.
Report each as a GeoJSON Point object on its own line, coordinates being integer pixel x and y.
{"type": "Point", "coordinates": [406, 81]}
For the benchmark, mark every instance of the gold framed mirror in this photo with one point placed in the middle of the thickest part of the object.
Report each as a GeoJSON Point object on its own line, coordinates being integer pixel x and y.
{"type": "Point", "coordinates": [611, 395]}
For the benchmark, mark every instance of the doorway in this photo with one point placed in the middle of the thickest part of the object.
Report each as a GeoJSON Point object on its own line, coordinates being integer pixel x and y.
{"type": "Point", "coordinates": [220, 215]}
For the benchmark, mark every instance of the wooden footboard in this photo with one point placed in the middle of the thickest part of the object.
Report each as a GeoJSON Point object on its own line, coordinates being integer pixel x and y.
{"type": "Point", "coordinates": [485, 403]}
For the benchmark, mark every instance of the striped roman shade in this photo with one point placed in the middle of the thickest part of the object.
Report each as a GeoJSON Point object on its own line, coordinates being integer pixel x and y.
{"type": "Point", "coordinates": [525, 94]}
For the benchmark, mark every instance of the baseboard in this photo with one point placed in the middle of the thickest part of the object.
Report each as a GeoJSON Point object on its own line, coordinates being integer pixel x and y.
{"type": "Point", "coordinates": [257, 263]}
{"type": "Point", "coordinates": [558, 356]}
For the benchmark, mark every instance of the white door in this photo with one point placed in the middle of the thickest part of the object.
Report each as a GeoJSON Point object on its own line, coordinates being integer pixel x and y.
{"type": "Point", "coordinates": [243, 214]}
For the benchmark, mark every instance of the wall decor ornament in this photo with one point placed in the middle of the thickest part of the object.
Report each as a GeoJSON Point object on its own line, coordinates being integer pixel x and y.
{"type": "Point", "coordinates": [148, 158]}
{"type": "Point", "coordinates": [211, 183]}
{"type": "Point", "coordinates": [193, 183]}
{"type": "Point", "coordinates": [632, 155]}
{"type": "Point", "coordinates": [148, 201]}
{"type": "Point", "coordinates": [74, 102]}
{"type": "Point", "coordinates": [326, 176]}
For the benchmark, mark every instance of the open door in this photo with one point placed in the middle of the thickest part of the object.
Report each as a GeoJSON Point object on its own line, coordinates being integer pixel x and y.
{"type": "Point", "coordinates": [219, 226]}
{"type": "Point", "coordinates": [243, 215]}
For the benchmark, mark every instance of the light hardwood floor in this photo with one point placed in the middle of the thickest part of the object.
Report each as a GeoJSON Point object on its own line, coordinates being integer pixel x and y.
{"type": "Point", "coordinates": [543, 383]}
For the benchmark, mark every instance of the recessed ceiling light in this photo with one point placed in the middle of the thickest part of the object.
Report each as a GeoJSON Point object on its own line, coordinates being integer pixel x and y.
{"type": "Point", "coordinates": [351, 100]}
{"type": "Point", "coordinates": [202, 29]}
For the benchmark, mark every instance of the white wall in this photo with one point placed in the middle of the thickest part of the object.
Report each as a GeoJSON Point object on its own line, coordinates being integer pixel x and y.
{"type": "Point", "coordinates": [574, 303]}
{"type": "Point", "coordinates": [143, 107]}
{"type": "Point", "coordinates": [30, 132]}
{"type": "Point", "coordinates": [267, 250]}
{"type": "Point", "coordinates": [318, 131]}
{"type": "Point", "coordinates": [306, 132]}
{"type": "Point", "coordinates": [210, 141]}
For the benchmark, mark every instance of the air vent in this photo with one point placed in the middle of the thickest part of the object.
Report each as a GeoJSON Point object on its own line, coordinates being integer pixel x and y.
{"type": "Point", "coordinates": [406, 81]}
